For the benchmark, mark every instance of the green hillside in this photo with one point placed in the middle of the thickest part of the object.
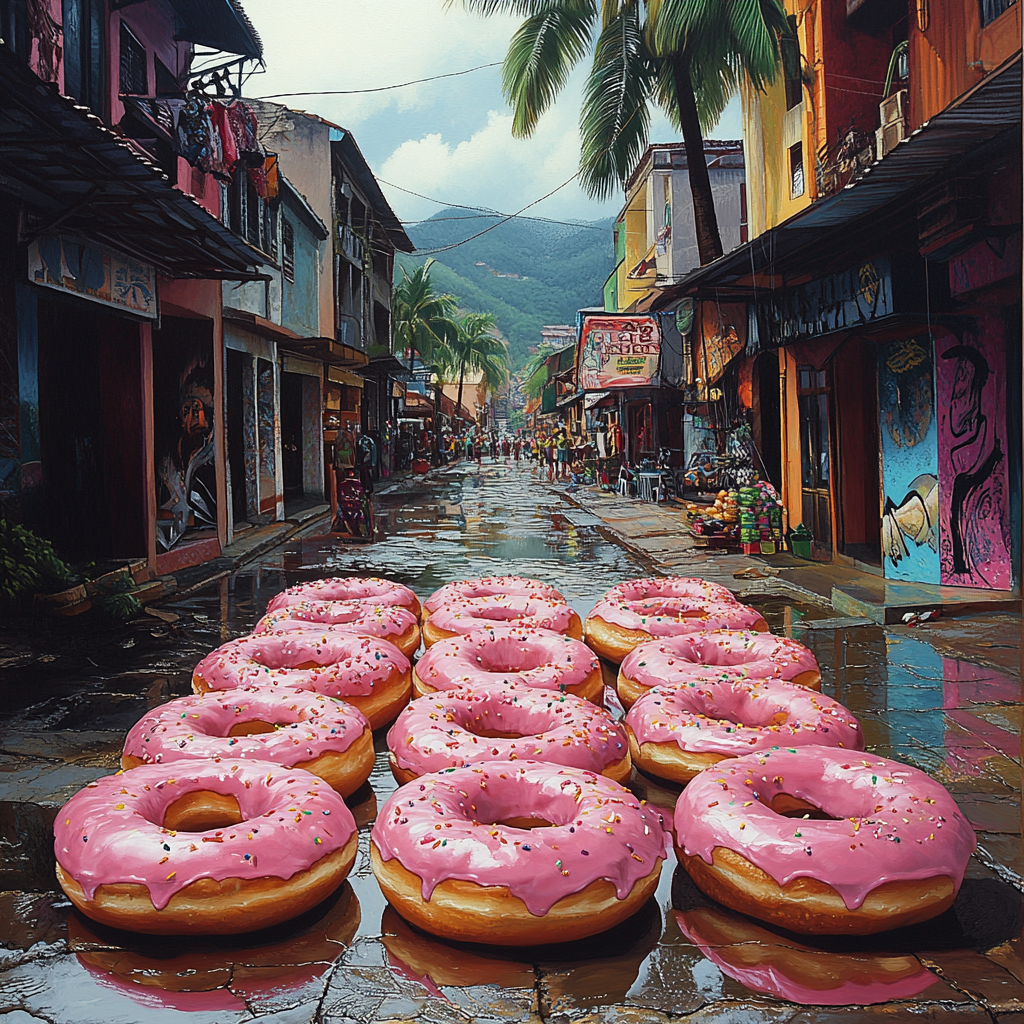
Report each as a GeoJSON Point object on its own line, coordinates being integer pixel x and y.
{"type": "Point", "coordinates": [527, 273]}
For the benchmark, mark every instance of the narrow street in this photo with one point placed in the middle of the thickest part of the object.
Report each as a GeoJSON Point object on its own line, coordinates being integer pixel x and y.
{"type": "Point", "coordinates": [943, 697]}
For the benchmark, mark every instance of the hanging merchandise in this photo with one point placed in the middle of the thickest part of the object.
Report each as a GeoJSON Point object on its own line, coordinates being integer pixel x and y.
{"type": "Point", "coordinates": [228, 150]}
{"type": "Point", "coordinates": [194, 132]}
{"type": "Point", "coordinates": [245, 131]}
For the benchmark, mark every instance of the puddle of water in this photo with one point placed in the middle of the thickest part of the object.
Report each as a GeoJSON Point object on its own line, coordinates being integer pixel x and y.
{"type": "Point", "coordinates": [957, 720]}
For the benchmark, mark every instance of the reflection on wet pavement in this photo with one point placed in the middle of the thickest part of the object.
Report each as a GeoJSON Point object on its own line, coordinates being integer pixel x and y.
{"type": "Point", "coordinates": [355, 959]}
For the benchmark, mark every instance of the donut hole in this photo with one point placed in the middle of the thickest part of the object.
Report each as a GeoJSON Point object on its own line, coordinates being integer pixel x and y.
{"type": "Point", "coordinates": [253, 728]}
{"type": "Point", "coordinates": [794, 807]}
{"type": "Point", "coordinates": [525, 822]}
{"type": "Point", "coordinates": [202, 811]}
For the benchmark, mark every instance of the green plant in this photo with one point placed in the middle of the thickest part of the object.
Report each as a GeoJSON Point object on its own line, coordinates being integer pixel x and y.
{"type": "Point", "coordinates": [116, 601]}
{"type": "Point", "coordinates": [28, 565]}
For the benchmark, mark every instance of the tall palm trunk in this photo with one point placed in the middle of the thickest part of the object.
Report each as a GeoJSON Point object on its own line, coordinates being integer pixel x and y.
{"type": "Point", "coordinates": [462, 377]}
{"type": "Point", "coordinates": [709, 241]}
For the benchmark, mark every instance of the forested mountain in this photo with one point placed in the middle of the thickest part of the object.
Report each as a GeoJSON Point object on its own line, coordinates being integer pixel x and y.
{"type": "Point", "coordinates": [526, 272]}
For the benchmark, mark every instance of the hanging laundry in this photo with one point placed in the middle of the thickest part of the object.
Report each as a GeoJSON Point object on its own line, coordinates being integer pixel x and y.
{"type": "Point", "coordinates": [258, 177]}
{"type": "Point", "coordinates": [193, 131]}
{"type": "Point", "coordinates": [245, 129]}
{"type": "Point", "coordinates": [226, 137]}
{"type": "Point", "coordinates": [270, 168]}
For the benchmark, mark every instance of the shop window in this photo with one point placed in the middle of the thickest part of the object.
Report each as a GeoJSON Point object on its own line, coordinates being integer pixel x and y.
{"type": "Point", "coordinates": [288, 250]}
{"type": "Point", "coordinates": [134, 76]}
{"type": "Point", "coordinates": [792, 72]}
{"type": "Point", "coordinates": [14, 27]}
{"type": "Point", "coordinates": [991, 9]}
{"type": "Point", "coordinates": [166, 84]}
{"type": "Point", "coordinates": [796, 170]}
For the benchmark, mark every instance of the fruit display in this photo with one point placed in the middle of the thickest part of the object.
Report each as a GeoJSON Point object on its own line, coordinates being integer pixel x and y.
{"type": "Point", "coordinates": [750, 515]}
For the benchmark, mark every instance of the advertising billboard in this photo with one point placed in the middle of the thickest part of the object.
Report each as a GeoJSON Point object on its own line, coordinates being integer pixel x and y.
{"type": "Point", "coordinates": [618, 351]}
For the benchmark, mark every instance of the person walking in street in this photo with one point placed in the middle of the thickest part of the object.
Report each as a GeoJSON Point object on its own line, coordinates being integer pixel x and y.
{"type": "Point", "coordinates": [562, 453]}
{"type": "Point", "coordinates": [467, 445]}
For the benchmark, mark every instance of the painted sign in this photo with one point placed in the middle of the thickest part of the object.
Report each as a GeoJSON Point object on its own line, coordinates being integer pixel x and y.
{"type": "Point", "coordinates": [618, 352]}
{"type": "Point", "coordinates": [723, 337]}
{"type": "Point", "coordinates": [850, 298]}
{"type": "Point", "coordinates": [910, 460]}
{"type": "Point", "coordinates": [94, 273]}
{"type": "Point", "coordinates": [975, 536]}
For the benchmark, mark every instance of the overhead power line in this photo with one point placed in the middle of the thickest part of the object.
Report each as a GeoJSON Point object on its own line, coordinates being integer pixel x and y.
{"type": "Point", "coordinates": [484, 210]}
{"type": "Point", "coordinates": [379, 88]}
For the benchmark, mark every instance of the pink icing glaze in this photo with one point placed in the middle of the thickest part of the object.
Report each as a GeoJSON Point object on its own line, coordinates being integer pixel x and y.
{"type": "Point", "coordinates": [736, 717]}
{"type": "Point", "coordinates": [673, 616]}
{"type": "Point", "coordinates": [111, 831]}
{"type": "Point", "coordinates": [507, 654]}
{"type": "Point", "coordinates": [491, 586]}
{"type": "Point", "coordinates": [438, 731]}
{"type": "Point", "coordinates": [438, 828]}
{"type": "Point", "coordinates": [308, 725]}
{"type": "Point", "coordinates": [894, 822]}
{"type": "Point", "coordinates": [347, 665]}
{"type": "Point", "coordinates": [384, 621]}
{"type": "Point", "coordinates": [732, 653]}
{"type": "Point", "coordinates": [875, 979]}
{"type": "Point", "coordinates": [472, 613]}
{"type": "Point", "coordinates": [370, 589]}
{"type": "Point", "coordinates": [691, 589]}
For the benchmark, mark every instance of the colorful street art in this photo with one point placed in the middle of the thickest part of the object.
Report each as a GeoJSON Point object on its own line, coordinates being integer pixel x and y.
{"type": "Point", "coordinates": [975, 533]}
{"type": "Point", "coordinates": [910, 481]}
{"type": "Point", "coordinates": [183, 418]}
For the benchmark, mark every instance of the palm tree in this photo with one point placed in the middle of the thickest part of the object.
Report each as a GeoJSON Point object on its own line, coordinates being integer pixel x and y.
{"type": "Point", "coordinates": [424, 322]}
{"type": "Point", "coordinates": [476, 348]}
{"type": "Point", "coordinates": [685, 56]}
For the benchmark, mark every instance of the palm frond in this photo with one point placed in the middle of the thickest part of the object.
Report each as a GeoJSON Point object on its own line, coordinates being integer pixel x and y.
{"type": "Point", "coordinates": [615, 116]}
{"type": "Point", "coordinates": [541, 55]}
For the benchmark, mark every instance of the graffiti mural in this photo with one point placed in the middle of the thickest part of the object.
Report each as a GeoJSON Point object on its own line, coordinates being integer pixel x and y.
{"type": "Point", "coordinates": [975, 532]}
{"type": "Point", "coordinates": [910, 461]}
{"type": "Point", "coordinates": [183, 432]}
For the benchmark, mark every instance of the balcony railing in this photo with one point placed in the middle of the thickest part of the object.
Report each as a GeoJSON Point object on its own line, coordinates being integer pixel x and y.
{"type": "Point", "coordinates": [351, 243]}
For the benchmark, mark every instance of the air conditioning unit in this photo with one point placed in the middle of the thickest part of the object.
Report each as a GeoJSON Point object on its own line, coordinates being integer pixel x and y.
{"type": "Point", "coordinates": [889, 136]}
{"type": "Point", "coordinates": [893, 108]}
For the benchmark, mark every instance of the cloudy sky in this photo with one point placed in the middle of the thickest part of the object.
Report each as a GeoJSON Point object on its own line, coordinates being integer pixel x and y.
{"type": "Point", "coordinates": [449, 139]}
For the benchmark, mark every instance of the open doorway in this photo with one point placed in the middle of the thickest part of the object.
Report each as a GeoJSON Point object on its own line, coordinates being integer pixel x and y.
{"type": "Point", "coordinates": [858, 508]}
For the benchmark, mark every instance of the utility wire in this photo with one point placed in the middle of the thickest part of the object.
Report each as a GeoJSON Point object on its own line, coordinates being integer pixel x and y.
{"type": "Point", "coordinates": [485, 210]}
{"type": "Point", "coordinates": [379, 88]}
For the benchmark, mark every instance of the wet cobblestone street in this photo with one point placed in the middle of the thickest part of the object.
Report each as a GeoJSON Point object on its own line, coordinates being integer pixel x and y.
{"type": "Point", "coordinates": [921, 695]}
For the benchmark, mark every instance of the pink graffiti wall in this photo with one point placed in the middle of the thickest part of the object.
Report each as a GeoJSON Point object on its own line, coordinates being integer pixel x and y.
{"type": "Point", "coordinates": [970, 369]}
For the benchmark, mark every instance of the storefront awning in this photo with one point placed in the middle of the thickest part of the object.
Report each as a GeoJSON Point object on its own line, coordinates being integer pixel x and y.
{"type": "Point", "coordinates": [68, 170]}
{"type": "Point", "coordinates": [332, 352]}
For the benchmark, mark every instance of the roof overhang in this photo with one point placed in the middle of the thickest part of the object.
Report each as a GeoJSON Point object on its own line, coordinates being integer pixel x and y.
{"type": "Point", "coordinates": [980, 117]}
{"type": "Point", "coordinates": [331, 352]}
{"type": "Point", "coordinates": [70, 172]}
{"type": "Point", "coordinates": [349, 154]}
{"type": "Point", "coordinates": [219, 24]}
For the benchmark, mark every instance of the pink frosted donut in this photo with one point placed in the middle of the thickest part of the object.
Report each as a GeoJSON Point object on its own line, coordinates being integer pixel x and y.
{"type": "Point", "coordinates": [690, 589]}
{"type": "Point", "coordinates": [891, 851]}
{"type": "Point", "coordinates": [295, 729]}
{"type": "Point", "coordinates": [509, 723]}
{"type": "Point", "coordinates": [677, 730]}
{"type": "Point", "coordinates": [510, 654]}
{"type": "Point", "coordinates": [393, 623]}
{"type": "Point", "coordinates": [369, 673]}
{"type": "Point", "coordinates": [516, 853]}
{"type": "Point", "coordinates": [458, 617]}
{"type": "Point", "coordinates": [616, 627]}
{"type": "Point", "coordinates": [215, 847]}
{"type": "Point", "coordinates": [716, 654]}
{"type": "Point", "coordinates": [370, 589]}
{"type": "Point", "coordinates": [490, 586]}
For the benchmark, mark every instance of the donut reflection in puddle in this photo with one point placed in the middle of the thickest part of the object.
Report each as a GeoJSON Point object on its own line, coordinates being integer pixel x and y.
{"type": "Point", "coordinates": [599, 970]}
{"type": "Point", "coordinates": [193, 975]}
{"type": "Point", "coordinates": [771, 964]}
